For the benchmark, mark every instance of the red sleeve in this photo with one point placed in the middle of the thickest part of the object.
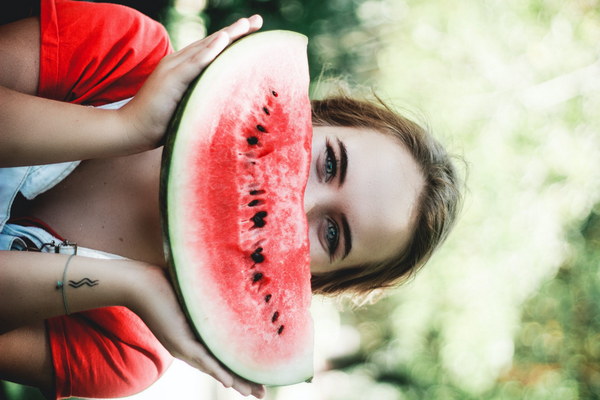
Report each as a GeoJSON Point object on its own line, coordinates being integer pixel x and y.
{"type": "Point", "coordinates": [104, 353]}
{"type": "Point", "coordinates": [95, 53]}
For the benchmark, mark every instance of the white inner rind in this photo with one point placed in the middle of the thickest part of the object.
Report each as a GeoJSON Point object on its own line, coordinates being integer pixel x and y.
{"type": "Point", "coordinates": [278, 54]}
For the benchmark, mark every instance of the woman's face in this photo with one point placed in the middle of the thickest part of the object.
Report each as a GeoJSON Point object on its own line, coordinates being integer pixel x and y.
{"type": "Point", "coordinates": [360, 197]}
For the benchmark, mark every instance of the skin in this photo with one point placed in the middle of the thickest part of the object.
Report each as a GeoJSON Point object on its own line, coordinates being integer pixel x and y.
{"type": "Point", "coordinates": [378, 206]}
{"type": "Point", "coordinates": [137, 127]}
{"type": "Point", "coordinates": [56, 135]}
{"type": "Point", "coordinates": [377, 197]}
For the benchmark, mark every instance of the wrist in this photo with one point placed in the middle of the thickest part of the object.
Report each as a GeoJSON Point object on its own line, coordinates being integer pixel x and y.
{"type": "Point", "coordinates": [146, 282]}
{"type": "Point", "coordinates": [138, 135]}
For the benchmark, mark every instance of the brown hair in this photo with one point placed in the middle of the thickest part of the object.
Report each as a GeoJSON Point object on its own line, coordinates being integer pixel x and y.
{"type": "Point", "coordinates": [437, 205]}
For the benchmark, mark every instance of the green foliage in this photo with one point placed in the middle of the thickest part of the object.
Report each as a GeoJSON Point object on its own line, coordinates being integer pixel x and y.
{"type": "Point", "coordinates": [559, 339]}
{"type": "Point", "coordinates": [337, 36]}
{"type": "Point", "coordinates": [557, 352]}
{"type": "Point", "coordinates": [12, 391]}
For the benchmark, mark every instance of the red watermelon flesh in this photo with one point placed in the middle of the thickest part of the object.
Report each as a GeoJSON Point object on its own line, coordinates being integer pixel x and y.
{"type": "Point", "coordinates": [234, 171]}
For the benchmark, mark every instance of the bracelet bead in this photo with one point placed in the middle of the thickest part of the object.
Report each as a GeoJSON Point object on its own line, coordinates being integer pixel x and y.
{"type": "Point", "coordinates": [60, 285]}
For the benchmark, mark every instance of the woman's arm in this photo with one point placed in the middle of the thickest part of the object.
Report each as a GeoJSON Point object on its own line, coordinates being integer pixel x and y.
{"type": "Point", "coordinates": [38, 131]}
{"type": "Point", "coordinates": [28, 280]}
{"type": "Point", "coordinates": [28, 295]}
{"type": "Point", "coordinates": [41, 131]}
{"type": "Point", "coordinates": [26, 358]}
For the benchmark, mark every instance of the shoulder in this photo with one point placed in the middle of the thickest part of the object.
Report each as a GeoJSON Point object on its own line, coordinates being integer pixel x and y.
{"type": "Point", "coordinates": [96, 53]}
{"type": "Point", "coordinates": [19, 55]}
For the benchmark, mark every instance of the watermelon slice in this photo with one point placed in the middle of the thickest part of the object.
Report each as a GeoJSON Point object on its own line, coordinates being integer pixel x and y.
{"type": "Point", "coordinates": [234, 171]}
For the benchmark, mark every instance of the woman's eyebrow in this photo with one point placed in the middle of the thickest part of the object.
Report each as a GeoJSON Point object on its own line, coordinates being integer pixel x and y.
{"type": "Point", "coordinates": [347, 236]}
{"type": "Point", "coordinates": [343, 162]}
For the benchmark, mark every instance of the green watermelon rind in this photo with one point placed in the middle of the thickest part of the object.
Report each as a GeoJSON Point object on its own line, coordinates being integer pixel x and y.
{"type": "Point", "coordinates": [170, 243]}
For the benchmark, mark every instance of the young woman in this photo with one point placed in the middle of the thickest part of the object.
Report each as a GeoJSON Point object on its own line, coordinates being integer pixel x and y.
{"type": "Point", "coordinates": [382, 194]}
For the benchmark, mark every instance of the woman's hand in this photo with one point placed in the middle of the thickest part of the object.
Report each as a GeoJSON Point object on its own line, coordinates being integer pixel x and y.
{"type": "Point", "coordinates": [28, 295]}
{"type": "Point", "coordinates": [150, 111]}
{"type": "Point", "coordinates": [66, 132]}
{"type": "Point", "coordinates": [155, 302]}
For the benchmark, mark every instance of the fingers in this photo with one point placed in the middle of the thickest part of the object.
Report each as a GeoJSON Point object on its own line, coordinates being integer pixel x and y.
{"type": "Point", "coordinates": [188, 62]}
{"type": "Point", "coordinates": [231, 33]}
{"type": "Point", "coordinates": [256, 390]}
{"type": "Point", "coordinates": [249, 388]}
{"type": "Point", "coordinates": [219, 40]}
{"type": "Point", "coordinates": [157, 305]}
{"type": "Point", "coordinates": [256, 22]}
{"type": "Point", "coordinates": [206, 363]}
{"type": "Point", "coordinates": [241, 27]}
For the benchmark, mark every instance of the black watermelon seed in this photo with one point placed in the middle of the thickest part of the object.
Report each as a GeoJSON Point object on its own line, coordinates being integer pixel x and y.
{"type": "Point", "coordinates": [258, 219]}
{"type": "Point", "coordinates": [275, 316]}
{"type": "Point", "coordinates": [256, 192]}
{"type": "Point", "coordinates": [274, 93]}
{"type": "Point", "coordinates": [280, 330]}
{"type": "Point", "coordinates": [253, 203]}
{"type": "Point", "coordinates": [257, 277]}
{"type": "Point", "coordinates": [266, 110]}
{"type": "Point", "coordinates": [267, 298]}
{"type": "Point", "coordinates": [252, 140]}
{"type": "Point", "coordinates": [261, 128]}
{"type": "Point", "coordinates": [257, 257]}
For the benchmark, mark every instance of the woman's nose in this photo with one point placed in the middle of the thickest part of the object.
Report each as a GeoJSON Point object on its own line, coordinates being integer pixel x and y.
{"type": "Point", "coordinates": [310, 197]}
{"type": "Point", "coordinates": [316, 196]}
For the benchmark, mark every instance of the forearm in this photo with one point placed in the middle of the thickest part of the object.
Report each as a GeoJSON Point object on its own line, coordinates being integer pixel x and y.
{"type": "Point", "coordinates": [34, 131]}
{"type": "Point", "coordinates": [28, 285]}
{"type": "Point", "coordinates": [28, 293]}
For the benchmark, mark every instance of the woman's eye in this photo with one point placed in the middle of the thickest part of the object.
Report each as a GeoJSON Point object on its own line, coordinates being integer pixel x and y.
{"type": "Point", "coordinates": [332, 236]}
{"type": "Point", "coordinates": [330, 167]}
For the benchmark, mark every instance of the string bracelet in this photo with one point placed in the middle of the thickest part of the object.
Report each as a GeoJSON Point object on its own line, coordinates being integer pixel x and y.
{"type": "Point", "coordinates": [60, 285]}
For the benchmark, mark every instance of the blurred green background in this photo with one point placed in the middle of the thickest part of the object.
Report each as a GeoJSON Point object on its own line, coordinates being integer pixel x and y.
{"type": "Point", "coordinates": [510, 307]}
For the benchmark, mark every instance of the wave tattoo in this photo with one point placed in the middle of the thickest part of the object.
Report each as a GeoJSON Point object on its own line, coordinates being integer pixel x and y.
{"type": "Point", "coordinates": [84, 281]}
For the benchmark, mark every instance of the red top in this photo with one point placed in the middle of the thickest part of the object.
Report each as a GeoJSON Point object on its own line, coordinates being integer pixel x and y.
{"type": "Point", "coordinates": [95, 54]}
